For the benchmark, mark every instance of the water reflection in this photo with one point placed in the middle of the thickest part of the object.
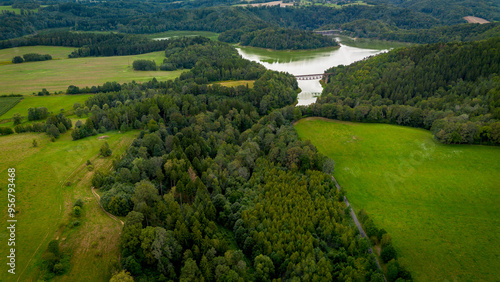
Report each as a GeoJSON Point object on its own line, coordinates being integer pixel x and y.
{"type": "Point", "coordinates": [307, 62]}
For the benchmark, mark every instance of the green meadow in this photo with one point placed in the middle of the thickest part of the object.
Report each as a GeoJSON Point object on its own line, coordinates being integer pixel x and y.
{"type": "Point", "coordinates": [16, 10]}
{"type": "Point", "coordinates": [49, 178]}
{"type": "Point", "coordinates": [440, 203]}
{"type": "Point", "coordinates": [56, 52]}
{"type": "Point", "coordinates": [7, 103]}
{"type": "Point", "coordinates": [53, 103]}
{"type": "Point", "coordinates": [57, 75]}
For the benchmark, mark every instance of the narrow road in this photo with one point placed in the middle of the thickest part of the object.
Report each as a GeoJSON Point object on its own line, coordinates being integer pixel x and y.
{"type": "Point", "coordinates": [98, 199]}
{"type": "Point", "coordinates": [356, 221]}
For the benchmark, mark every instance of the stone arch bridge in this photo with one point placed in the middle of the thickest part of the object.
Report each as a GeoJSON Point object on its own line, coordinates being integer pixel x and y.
{"type": "Point", "coordinates": [323, 76]}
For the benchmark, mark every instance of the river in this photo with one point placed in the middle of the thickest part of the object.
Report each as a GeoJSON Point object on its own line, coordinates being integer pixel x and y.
{"type": "Point", "coordinates": [307, 62]}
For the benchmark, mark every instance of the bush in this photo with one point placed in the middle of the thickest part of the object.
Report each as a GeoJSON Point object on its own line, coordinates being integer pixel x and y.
{"type": "Point", "coordinates": [105, 150]}
{"type": "Point", "coordinates": [78, 203]}
{"type": "Point", "coordinates": [17, 60]}
{"type": "Point", "coordinates": [77, 211]}
{"type": "Point", "coordinates": [388, 253]}
{"type": "Point", "coordinates": [34, 57]}
{"type": "Point", "coordinates": [6, 131]}
{"type": "Point", "coordinates": [144, 65]}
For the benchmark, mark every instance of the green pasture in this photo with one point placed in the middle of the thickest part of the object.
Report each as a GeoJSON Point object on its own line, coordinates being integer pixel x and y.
{"type": "Point", "coordinates": [16, 10]}
{"type": "Point", "coordinates": [57, 75]}
{"type": "Point", "coordinates": [47, 180]}
{"type": "Point", "coordinates": [180, 33]}
{"type": "Point", "coordinates": [7, 103]}
{"type": "Point", "coordinates": [53, 103]}
{"type": "Point", "coordinates": [440, 203]}
{"type": "Point", "coordinates": [235, 83]}
{"type": "Point", "coordinates": [56, 52]}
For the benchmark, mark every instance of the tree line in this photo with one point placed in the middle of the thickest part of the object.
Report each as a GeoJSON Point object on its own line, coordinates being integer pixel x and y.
{"type": "Point", "coordinates": [460, 32]}
{"type": "Point", "coordinates": [139, 17]}
{"type": "Point", "coordinates": [31, 57]}
{"type": "Point", "coordinates": [450, 89]}
{"type": "Point", "coordinates": [218, 185]}
{"type": "Point", "coordinates": [278, 39]}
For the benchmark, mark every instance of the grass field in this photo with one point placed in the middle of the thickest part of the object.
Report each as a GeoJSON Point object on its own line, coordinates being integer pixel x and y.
{"type": "Point", "coordinates": [44, 200]}
{"type": "Point", "coordinates": [53, 103]}
{"type": "Point", "coordinates": [15, 10]}
{"type": "Point", "coordinates": [7, 103]}
{"type": "Point", "coordinates": [57, 75]}
{"type": "Point", "coordinates": [235, 83]}
{"type": "Point", "coordinates": [179, 33]}
{"type": "Point", "coordinates": [56, 52]}
{"type": "Point", "coordinates": [440, 203]}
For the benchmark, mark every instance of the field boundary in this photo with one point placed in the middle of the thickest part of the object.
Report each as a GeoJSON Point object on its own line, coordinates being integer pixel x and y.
{"type": "Point", "coordinates": [360, 228]}
{"type": "Point", "coordinates": [4, 110]}
{"type": "Point", "coordinates": [98, 199]}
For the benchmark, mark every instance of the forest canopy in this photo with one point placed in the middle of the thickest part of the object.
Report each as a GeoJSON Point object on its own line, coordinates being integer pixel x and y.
{"type": "Point", "coordinates": [451, 89]}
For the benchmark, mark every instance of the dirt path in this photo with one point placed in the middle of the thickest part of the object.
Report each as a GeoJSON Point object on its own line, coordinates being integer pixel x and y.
{"type": "Point", "coordinates": [98, 199]}
{"type": "Point", "coordinates": [356, 221]}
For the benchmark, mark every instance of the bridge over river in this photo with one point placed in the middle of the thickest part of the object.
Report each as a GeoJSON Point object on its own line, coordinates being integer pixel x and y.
{"type": "Point", "coordinates": [313, 76]}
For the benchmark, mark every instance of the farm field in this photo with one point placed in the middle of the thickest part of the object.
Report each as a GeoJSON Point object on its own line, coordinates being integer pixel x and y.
{"type": "Point", "coordinates": [57, 75]}
{"type": "Point", "coordinates": [53, 103]}
{"type": "Point", "coordinates": [16, 10]}
{"type": "Point", "coordinates": [236, 83]}
{"type": "Point", "coordinates": [44, 201]}
{"type": "Point", "coordinates": [438, 202]}
{"type": "Point", "coordinates": [7, 103]}
{"type": "Point", "coordinates": [56, 52]}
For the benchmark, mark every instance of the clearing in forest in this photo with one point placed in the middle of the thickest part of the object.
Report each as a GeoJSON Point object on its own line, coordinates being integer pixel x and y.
{"type": "Point", "coordinates": [49, 178]}
{"type": "Point", "coordinates": [471, 19]}
{"type": "Point", "coordinates": [438, 202]}
{"type": "Point", "coordinates": [57, 75]}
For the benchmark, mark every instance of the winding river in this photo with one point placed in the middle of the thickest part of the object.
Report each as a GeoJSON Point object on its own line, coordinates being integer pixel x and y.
{"type": "Point", "coordinates": [307, 62]}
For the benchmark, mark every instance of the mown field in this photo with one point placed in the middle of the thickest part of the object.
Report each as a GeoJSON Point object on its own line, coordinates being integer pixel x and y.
{"type": "Point", "coordinates": [438, 202]}
{"type": "Point", "coordinates": [236, 83]}
{"type": "Point", "coordinates": [44, 201]}
{"type": "Point", "coordinates": [56, 52]}
{"type": "Point", "coordinates": [53, 103]}
{"type": "Point", "coordinates": [7, 103]}
{"type": "Point", "coordinates": [15, 10]}
{"type": "Point", "coordinates": [57, 75]}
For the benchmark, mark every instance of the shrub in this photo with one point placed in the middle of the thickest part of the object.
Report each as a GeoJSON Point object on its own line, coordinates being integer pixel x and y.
{"type": "Point", "coordinates": [388, 253]}
{"type": "Point", "coordinates": [144, 65]}
{"type": "Point", "coordinates": [78, 203]}
{"type": "Point", "coordinates": [17, 60]}
{"type": "Point", "coordinates": [105, 151]}
{"type": "Point", "coordinates": [77, 211]}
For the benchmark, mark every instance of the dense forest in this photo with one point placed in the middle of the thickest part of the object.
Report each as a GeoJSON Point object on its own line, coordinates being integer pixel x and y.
{"type": "Point", "coordinates": [218, 185]}
{"type": "Point", "coordinates": [278, 39]}
{"type": "Point", "coordinates": [460, 32]}
{"type": "Point", "coordinates": [151, 17]}
{"type": "Point", "coordinates": [451, 89]}
{"type": "Point", "coordinates": [450, 11]}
